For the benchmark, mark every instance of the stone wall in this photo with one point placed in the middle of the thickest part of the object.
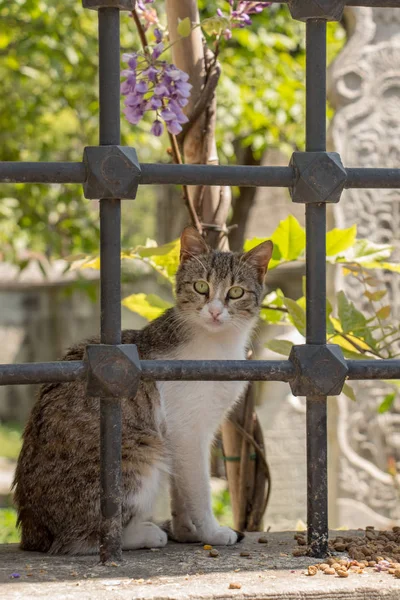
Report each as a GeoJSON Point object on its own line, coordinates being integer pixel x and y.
{"type": "Point", "coordinates": [41, 317]}
{"type": "Point", "coordinates": [365, 91]}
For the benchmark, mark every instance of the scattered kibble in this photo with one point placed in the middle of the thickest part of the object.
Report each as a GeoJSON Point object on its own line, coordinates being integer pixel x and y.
{"type": "Point", "coordinates": [397, 573]}
{"type": "Point", "coordinates": [245, 553]}
{"type": "Point", "coordinates": [323, 566]}
{"type": "Point", "coordinates": [213, 553]}
{"type": "Point", "coordinates": [299, 551]}
{"type": "Point", "coordinates": [342, 573]}
{"type": "Point", "coordinates": [263, 539]}
{"type": "Point", "coordinates": [235, 586]}
{"type": "Point", "coordinates": [301, 541]}
{"type": "Point", "coordinates": [329, 571]}
{"type": "Point", "coordinates": [312, 570]}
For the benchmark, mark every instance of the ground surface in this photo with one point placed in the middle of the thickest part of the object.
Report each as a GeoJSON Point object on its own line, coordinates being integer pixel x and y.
{"type": "Point", "coordinates": [186, 571]}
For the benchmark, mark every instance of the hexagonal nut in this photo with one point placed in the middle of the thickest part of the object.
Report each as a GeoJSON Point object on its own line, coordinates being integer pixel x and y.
{"type": "Point", "coordinates": [321, 370]}
{"type": "Point", "coordinates": [331, 10]}
{"type": "Point", "coordinates": [121, 4]}
{"type": "Point", "coordinates": [113, 371]}
{"type": "Point", "coordinates": [320, 177]}
{"type": "Point", "coordinates": [112, 172]}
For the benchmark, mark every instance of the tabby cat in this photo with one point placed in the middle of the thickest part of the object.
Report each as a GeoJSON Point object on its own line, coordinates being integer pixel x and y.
{"type": "Point", "coordinates": [167, 428]}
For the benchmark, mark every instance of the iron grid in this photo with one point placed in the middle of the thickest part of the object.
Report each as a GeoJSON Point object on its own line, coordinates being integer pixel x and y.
{"type": "Point", "coordinates": [293, 371]}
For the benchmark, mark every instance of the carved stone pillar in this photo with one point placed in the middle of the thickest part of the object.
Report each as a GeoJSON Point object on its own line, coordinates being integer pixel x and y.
{"type": "Point", "coordinates": [364, 88]}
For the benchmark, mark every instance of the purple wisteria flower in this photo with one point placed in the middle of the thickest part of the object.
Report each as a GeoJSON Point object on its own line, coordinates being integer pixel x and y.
{"type": "Point", "coordinates": [147, 13]}
{"type": "Point", "coordinates": [240, 11]}
{"type": "Point", "coordinates": [154, 85]}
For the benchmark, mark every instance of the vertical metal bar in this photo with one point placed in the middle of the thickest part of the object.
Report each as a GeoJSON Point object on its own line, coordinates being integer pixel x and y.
{"type": "Point", "coordinates": [110, 262]}
{"type": "Point", "coordinates": [317, 467]}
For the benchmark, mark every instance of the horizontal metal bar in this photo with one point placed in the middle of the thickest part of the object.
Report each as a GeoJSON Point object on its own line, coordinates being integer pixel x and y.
{"type": "Point", "coordinates": [367, 3]}
{"type": "Point", "coordinates": [239, 175]}
{"type": "Point", "coordinates": [372, 178]}
{"type": "Point", "coordinates": [374, 369]}
{"type": "Point", "coordinates": [42, 172]}
{"type": "Point", "coordinates": [374, 3]}
{"type": "Point", "coordinates": [192, 370]}
{"type": "Point", "coordinates": [50, 372]}
{"type": "Point", "coordinates": [217, 370]}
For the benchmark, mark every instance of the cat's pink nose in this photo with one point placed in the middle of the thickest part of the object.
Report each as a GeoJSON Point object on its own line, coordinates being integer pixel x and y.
{"type": "Point", "coordinates": [215, 310]}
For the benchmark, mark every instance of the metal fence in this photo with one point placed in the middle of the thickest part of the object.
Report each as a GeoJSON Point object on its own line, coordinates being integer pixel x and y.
{"type": "Point", "coordinates": [111, 173]}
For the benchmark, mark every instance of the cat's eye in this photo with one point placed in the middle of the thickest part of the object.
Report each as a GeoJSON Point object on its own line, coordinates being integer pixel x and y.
{"type": "Point", "coordinates": [235, 292]}
{"type": "Point", "coordinates": [202, 287]}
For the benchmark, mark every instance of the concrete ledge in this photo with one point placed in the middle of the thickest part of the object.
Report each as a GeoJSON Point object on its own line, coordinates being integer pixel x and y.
{"type": "Point", "coordinates": [183, 571]}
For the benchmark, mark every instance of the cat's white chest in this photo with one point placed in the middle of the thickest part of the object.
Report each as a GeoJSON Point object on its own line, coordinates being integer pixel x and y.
{"type": "Point", "coordinates": [202, 404]}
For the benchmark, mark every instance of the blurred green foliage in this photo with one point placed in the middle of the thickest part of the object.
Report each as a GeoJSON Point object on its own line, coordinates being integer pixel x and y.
{"type": "Point", "coordinates": [49, 112]}
{"type": "Point", "coordinates": [9, 533]}
{"type": "Point", "coordinates": [10, 440]}
{"type": "Point", "coordinates": [262, 86]}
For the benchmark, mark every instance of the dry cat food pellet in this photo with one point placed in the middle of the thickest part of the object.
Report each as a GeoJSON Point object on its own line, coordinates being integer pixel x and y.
{"type": "Point", "coordinates": [323, 566]}
{"type": "Point", "coordinates": [329, 571]}
{"type": "Point", "coordinates": [301, 541]}
{"type": "Point", "coordinates": [372, 547]}
{"type": "Point", "coordinates": [213, 553]}
{"type": "Point", "coordinates": [263, 539]}
{"type": "Point", "coordinates": [397, 573]}
{"type": "Point", "coordinates": [299, 552]}
{"type": "Point", "coordinates": [312, 570]}
{"type": "Point", "coordinates": [207, 547]}
{"type": "Point", "coordinates": [235, 586]}
{"type": "Point", "coordinates": [342, 573]}
{"type": "Point", "coordinates": [245, 553]}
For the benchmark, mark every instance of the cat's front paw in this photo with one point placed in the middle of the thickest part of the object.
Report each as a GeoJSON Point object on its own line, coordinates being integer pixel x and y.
{"type": "Point", "coordinates": [221, 536]}
{"type": "Point", "coordinates": [183, 530]}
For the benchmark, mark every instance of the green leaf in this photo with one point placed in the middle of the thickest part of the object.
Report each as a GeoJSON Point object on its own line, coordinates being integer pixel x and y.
{"type": "Point", "coordinates": [384, 312]}
{"type": "Point", "coordinates": [297, 315]}
{"type": "Point", "coordinates": [290, 238]}
{"type": "Point", "coordinates": [330, 329]}
{"type": "Point", "coordinates": [352, 355]}
{"type": "Point", "coordinates": [364, 252]}
{"type": "Point", "coordinates": [215, 25]}
{"type": "Point", "coordinates": [372, 281]}
{"type": "Point", "coordinates": [184, 27]}
{"type": "Point", "coordinates": [375, 296]}
{"type": "Point", "coordinates": [272, 316]}
{"type": "Point", "coordinates": [386, 266]}
{"type": "Point", "coordinates": [148, 306]}
{"type": "Point", "coordinates": [280, 346]}
{"type": "Point", "coordinates": [387, 403]}
{"type": "Point", "coordinates": [349, 392]}
{"type": "Point", "coordinates": [339, 240]}
{"type": "Point", "coordinates": [350, 318]}
{"type": "Point", "coordinates": [165, 259]}
{"type": "Point", "coordinates": [273, 299]}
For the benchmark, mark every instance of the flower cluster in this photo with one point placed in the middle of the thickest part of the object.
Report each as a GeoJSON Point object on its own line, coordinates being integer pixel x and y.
{"type": "Point", "coordinates": [147, 14]}
{"type": "Point", "coordinates": [240, 11]}
{"type": "Point", "coordinates": [154, 85]}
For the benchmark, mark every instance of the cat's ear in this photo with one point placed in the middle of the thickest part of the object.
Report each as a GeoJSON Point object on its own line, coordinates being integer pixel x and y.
{"type": "Point", "coordinates": [259, 257]}
{"type": "Point", "coordinates": [192, 244]}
